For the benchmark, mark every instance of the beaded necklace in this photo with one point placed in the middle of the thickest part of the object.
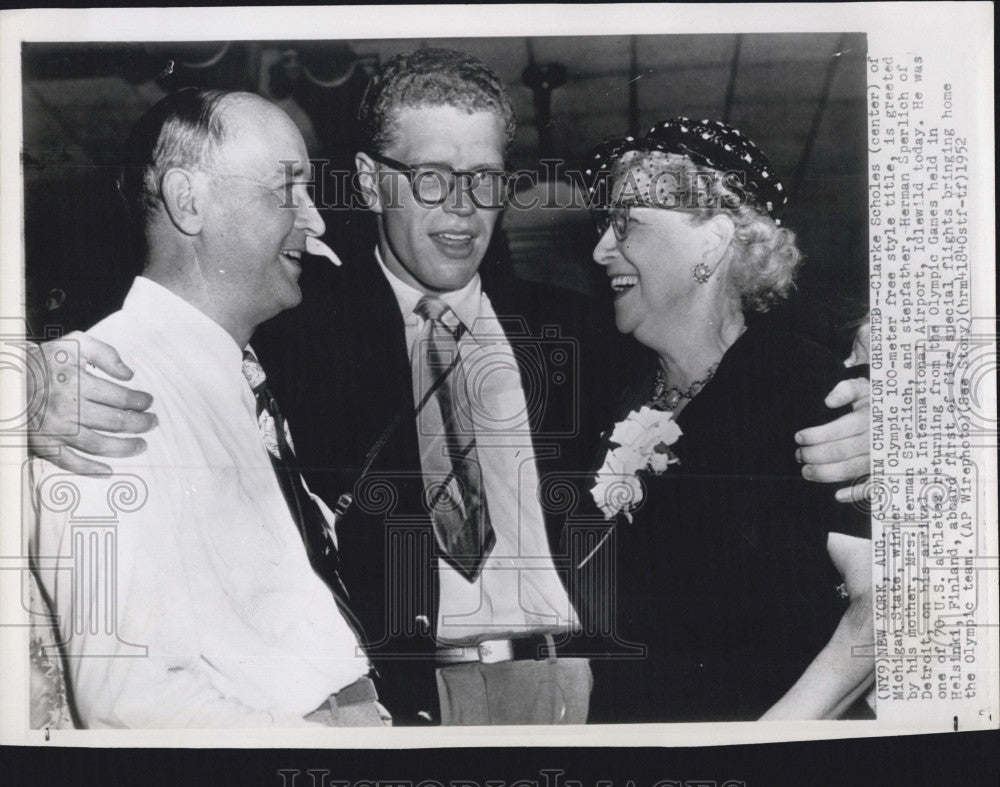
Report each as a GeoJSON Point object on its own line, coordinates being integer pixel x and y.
{"type": "Point", "coordinates": [669, 398]}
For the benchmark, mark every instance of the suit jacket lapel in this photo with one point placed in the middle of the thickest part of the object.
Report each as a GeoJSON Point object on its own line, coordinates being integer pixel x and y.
{"type": "Point", "coordinates": [384, 384]}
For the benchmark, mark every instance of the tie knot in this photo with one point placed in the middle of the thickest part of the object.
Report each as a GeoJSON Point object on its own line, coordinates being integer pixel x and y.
{"type": "Point", "coordinates": [253, 371]}
{"type": "Point", "coordinates": [434, 309]}
{"type": "Point", "coordinates": [431, 308]}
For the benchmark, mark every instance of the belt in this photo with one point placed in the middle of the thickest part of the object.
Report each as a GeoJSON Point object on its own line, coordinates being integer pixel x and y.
{"type": "Point", "coordinates": [534, 648]}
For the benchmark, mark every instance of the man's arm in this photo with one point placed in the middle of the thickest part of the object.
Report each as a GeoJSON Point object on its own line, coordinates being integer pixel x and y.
{"type": "Point", "coordinates": [79, 407]}
{"type": "Point", "coordinates": [838, 452]}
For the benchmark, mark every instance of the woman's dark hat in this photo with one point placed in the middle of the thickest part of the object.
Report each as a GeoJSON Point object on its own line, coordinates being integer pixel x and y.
{"type": "Point", "coordinates": [707, 143]}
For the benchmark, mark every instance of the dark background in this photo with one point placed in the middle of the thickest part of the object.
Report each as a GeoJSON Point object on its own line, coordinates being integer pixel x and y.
{"type": "Point", "coordinates": [801, 97]}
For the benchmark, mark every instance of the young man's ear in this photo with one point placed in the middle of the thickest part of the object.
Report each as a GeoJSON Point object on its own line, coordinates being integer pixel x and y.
{"type": "Point", "coordinates": [183, 195]}
{"type": "Point", "coordinates": [368, 183]}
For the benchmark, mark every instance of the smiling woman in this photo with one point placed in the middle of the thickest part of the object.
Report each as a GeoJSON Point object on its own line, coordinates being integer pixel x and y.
{"type": "Point", "coordinates": [697, 197]}
{"type": "Point", "coordinates": [746, 584]}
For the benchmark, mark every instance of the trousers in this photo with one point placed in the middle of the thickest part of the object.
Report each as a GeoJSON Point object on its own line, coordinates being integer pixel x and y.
{"type": "Point", "coordinates": [550, 691]}
{"type": "Point", "coordinates": [355, 706]}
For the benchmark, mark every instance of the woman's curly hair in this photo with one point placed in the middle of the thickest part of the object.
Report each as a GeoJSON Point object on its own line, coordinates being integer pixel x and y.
{"type": "Point", "coordinates": [764, 257]}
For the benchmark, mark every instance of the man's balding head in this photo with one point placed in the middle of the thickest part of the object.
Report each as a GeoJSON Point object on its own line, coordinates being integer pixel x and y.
{"type": "Point", "coordinates": [186, 129]}
{"type": "Point", "coordinates": [221, 183]}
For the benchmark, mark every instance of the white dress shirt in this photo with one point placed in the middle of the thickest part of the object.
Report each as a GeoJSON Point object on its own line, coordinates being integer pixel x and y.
{"type": "Point", "coordinates": [518, 591]}
{"type": "Point", "coordinates": [218, 619]}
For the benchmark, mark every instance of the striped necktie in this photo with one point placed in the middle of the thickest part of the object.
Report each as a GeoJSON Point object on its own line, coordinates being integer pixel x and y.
{"type": "Point", "coordinates": [455, 492]}
{"type": "Point", "coordinates": [312, 524]}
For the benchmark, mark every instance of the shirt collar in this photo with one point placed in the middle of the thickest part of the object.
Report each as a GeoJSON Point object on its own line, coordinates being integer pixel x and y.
{"type": "Point", "coordinates": [188, 327]}
{"type": "Point", "coordinates": [466, 302]}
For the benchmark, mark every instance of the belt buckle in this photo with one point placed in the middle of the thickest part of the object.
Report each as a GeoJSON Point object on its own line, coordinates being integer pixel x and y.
{"type": "Point", "coordinates": [495, 650]}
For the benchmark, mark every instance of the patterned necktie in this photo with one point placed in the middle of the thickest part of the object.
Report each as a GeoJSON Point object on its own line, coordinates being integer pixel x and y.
{"type": "Point", "coordinates": [458, 503]}
{"type": "Point", "coordinates": [312, 524]}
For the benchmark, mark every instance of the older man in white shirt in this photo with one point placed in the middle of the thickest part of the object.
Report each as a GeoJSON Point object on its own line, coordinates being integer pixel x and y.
{"type": "Point", "coordinates": [225, 601]}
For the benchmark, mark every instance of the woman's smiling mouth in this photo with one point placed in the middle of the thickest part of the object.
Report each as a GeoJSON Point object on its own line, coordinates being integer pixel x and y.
{"type": "Point", "coordinates": [623, 282]}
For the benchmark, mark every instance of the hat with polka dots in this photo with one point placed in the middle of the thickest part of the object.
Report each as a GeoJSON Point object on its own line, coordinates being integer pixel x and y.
{"type": "Point", "coordinates": [706, 143]}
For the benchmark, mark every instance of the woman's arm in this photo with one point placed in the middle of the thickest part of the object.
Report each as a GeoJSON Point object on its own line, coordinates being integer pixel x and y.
{"type": "Point", "coordinates": [838, 674]}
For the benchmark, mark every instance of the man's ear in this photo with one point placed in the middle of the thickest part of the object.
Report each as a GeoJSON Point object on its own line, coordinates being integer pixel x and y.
{"type": "Point", "coordinates": [182, 192]}
{"type": "Point", "coordinates": [368, 183]}
{"type": "Point", "coordinates": [719, 231]}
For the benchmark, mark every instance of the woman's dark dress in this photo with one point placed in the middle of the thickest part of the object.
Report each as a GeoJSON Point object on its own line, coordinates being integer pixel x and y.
{"type": "Point", "coordinates": [724, 574]}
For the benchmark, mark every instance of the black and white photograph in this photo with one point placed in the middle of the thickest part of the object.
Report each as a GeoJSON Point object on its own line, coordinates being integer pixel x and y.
{"type": "Point", "coordinates": [467, 381]}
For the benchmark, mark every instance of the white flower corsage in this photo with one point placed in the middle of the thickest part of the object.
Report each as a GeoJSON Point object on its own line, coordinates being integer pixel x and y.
{"type": "Point", "coordinates": [641, 442]}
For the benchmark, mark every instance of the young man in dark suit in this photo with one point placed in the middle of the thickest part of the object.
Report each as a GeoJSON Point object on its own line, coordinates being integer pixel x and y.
{"type": "Point", "coordinates": [484, 616]}
{"type": "Point", "coordinates": [444, 399]}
